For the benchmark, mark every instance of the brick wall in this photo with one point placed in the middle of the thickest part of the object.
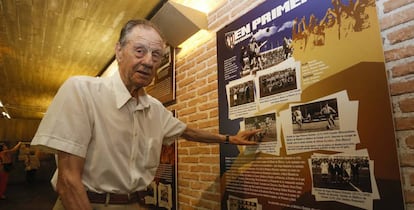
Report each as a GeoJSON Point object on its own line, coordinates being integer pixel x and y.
{"type": "Point", "coordinates": [397, 30]}
{"type": "Point", "coordinates": [197, 100]}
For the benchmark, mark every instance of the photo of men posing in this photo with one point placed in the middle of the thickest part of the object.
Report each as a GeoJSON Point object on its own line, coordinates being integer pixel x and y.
{"type": "Point", "coordinates": [277, 82]}
{"type": "Point", "coordinates": [241, 94]}
{"type": "Point", "coordinates": [317, 116]}
{"type": "Point", "coordinates": [342, 173]}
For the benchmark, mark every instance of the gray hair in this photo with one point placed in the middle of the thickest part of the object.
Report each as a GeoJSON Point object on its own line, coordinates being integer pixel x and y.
{"type": "Point", "coordinates": [137, 22]}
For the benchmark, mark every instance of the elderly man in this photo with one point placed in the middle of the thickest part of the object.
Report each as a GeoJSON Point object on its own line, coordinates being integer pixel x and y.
{"type": "Point", "coordinates": [108, 133]}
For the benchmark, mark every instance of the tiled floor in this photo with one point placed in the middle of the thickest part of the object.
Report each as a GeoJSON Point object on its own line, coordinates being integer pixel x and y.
{"type": "Point", "coordinates": [22, 196]}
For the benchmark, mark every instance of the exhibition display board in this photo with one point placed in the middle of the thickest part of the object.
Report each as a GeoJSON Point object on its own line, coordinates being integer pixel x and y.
{"type": "Point", "coordinates": [311, 75]}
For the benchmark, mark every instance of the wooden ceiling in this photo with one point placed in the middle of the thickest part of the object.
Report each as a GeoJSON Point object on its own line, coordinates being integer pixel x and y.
{"type": "Point", "coordinates": [43, 42]}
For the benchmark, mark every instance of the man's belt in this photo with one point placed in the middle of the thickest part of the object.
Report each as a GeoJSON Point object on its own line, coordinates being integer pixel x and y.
{"type": "Point", "coordinates": [111, 198]}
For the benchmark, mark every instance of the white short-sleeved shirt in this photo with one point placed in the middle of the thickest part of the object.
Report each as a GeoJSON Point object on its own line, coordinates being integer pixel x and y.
{"type": "Point", "coordinates": [119, 137]}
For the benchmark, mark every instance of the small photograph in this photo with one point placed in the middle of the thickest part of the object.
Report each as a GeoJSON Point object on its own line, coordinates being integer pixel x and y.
{"type": "Point", "coordinates": [317, 116]}
{"type": "Point", "coordinates": [251, 59]}
{"type": "Point", "coordinates": [265, 122]}
{"type": "Point", "coordinates": [261, 52]}
{"type": "Point", "coordinates": [350, 173]}
{"type": "Point", "coordinates": [151, 194]}
{"type": "Point", "coordinates": [167, 56]}
{"type": "Point", "coordinates": [277, 82]}
{"type": "Point", "coordinates": [164, 195]}
{"type": "Point", "coordinates": [238, 204]}
{"type": "Point", "coordinates": [242, 93]}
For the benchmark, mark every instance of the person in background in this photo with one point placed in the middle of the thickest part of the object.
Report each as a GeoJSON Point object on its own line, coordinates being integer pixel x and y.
{"type": "Point", "coordinates": [32, 164]}
{"type": "Point", "coordinates": [108, 132]}
{"type": "Point", "coordinates": [6, 165]}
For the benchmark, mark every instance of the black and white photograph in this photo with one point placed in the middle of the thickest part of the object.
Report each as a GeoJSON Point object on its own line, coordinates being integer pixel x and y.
{"type": "Point", "coordinates": [278, 82]}
{"type": "Point", "coordinates": [165, 196]}
{"type": "Point", "coordinates": [316, 116]}
{"type": "Point", "coordinates": [151, 194]}
{"type": "Point", "coordinates": [267, 124]}
{"type": "Point", "coordinates": [350, 173]}
{"type": "Point", "coordinates": [239, 204]}
{"type": "Point", "coordinates": [242, 93]}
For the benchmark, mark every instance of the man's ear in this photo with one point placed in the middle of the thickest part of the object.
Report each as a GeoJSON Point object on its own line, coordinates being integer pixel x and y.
{"type": "Point", "coordinates": [118, 55]}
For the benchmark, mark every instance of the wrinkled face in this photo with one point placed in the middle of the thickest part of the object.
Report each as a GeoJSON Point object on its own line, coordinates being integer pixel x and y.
{"type": "Point", "coordinates": [140, 57]}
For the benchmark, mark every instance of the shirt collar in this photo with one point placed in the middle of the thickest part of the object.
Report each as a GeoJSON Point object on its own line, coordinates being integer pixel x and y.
{"type": "Point", "coordinates": [122, 94]}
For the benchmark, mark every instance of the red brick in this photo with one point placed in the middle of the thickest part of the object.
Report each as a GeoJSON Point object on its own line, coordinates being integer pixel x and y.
{"type": "Point", "coordinates": [201, 168]}
{"type": "Point", "coordinates": [412, 179]}
{"type": "Point", "coordinates": [186, 81]}
{"type": "Point", "coordinates": [403, 69]}
{"type": "Point", "coordinates": [198, 116]}
{"type": "Point", "coordinates": [402, 34]}
{"type": "Point", "coordinates": [208, 124]}
{"type": "Point", "coordinates": [209, 71]}
{"type": "Point", "coordinates": [399, 88]}
{"type": "Point", "coordinates": [188, 176]}
{"type": "Point", "coordinates": [395, 4]}
{"type": "Point", "coordinates": [207, 177]}
{"type": "Point", "coordinates": [190, 159]}
{"type": "Point", "coordinates": [189, 192]}
{"type": "Point", "coordinates": [407, 105]}
{"type": "Point", "coordinates": [407, 160]}
{"type": "Point", "coordinates": [208, 106]}
{"type": "Point", "coordinates": [186, 66]}
{"type": "Point", "coordinates": [188, 111]}
{"type": "Point", "coordinates": [212, 78]}
{"type": "Point", "coordinates": [210, 53]}
{"type": "Point", "coordinates": [188, 144]}
{"type": "Point", "coordinates": [398, 18]}
{"type": "Point", "coordinates": [199, 151]}
{"type": "Point", "coordinates": [207, 89]}
{"type": "Point", "coordinates": [197, 68]}
{"type": "Point", "coordinates": [183, 167]}
{"type": "Point", "coordinates": [410, 141]}
{"type": "Point", "coordinates": [182, 151]}
{"type": "Point", "coordinates": [197, 84]}
{"type": "Point", "coordinates": [399, 53]}
{"type": "Point", "coordinates": [197, 101]}
{"type": "Point", "coordinates": [213, 113]}
{"type": "Point", "coordinates": [404, 123]}
{"type": "Point", "coordinates": [209, 159]}
{"type": "Point", "coordinates": [187, 96]}
{"type": "Point", "coordinates": [409, 196]}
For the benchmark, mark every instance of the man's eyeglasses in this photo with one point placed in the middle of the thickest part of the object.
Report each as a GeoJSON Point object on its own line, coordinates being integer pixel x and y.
{"type": "Point", "coordinates": [142, 50]}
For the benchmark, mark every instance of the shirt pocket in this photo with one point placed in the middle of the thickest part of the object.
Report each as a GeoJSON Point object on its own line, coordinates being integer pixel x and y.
{"type": "Point", "coordinates": [152, 154]}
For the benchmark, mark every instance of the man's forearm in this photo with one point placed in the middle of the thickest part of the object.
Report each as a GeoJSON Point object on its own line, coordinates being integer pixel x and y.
{"type": "Point", "coordinates": [242, 138]}
{"type": "Point", "coordinates": [75, 200]}
{"type": "Point", "coordinates": [69, 184]}
{"type": "Point", "coordinates": [193, 134]}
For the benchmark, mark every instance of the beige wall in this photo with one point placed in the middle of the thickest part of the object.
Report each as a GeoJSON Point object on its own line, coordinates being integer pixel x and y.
{"type": "Point", "coordinates": [197, 99]}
